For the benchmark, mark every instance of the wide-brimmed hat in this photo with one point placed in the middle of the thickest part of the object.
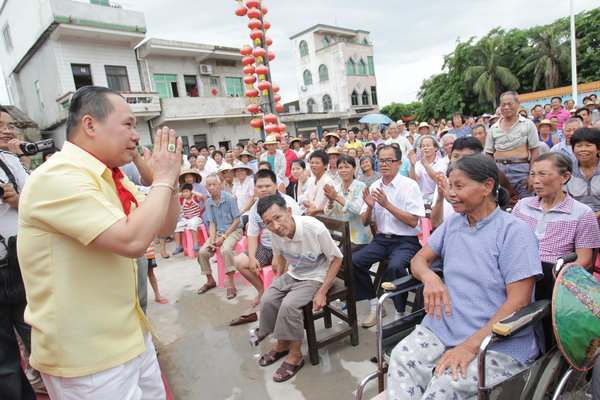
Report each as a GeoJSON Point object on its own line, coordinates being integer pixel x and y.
{"type": "Point", "coordinates": [292, 140]}
{"type": "Point", "coordinates": [195, 173]}
{"type": "Point", "coordinates": [399, 122]}
{"type": "Point", "coordinates": [545, 122]}
{"type": "Point", "coordinates": [244, 166]}
{"type": "Point", "coordinates": [246, 153]}
{"type": "Point", "coordinates": [224, 167]}
{"type": "Point", "coordinates": [335, 135]}
{"type": "Point", "coordinates": [425, 125]}
{"type": "Point", "coordinates": [333, 150]}
{"type": "Point", "coordinates": [486, 115]}
{"type": "Point", "coordinates": [271, 140]}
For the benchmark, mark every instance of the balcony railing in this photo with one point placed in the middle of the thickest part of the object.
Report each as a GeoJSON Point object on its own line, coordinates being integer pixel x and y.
{"type": "Point", "coordinates": [145, 105]}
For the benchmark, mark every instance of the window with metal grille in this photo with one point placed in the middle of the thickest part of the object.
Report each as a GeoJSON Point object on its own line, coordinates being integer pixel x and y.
{"type": "Point", "coordinates": [117, 78]}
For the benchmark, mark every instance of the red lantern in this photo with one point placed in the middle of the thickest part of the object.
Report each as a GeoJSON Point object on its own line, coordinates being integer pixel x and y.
{"type": "Point", "coordinates": [271, 56]}
{"type": "Point", "coordinates": [246, 50]}
{"type": "Point", "coordinates": [264, 85]}
{"type": "Point", "coordinates": [248, 60]}
{"type": "Point", "coordinates": [270, 118]}
{"type": "Point", "coordinates": [278, 107]}
{"type": "Point", "coordinates": [276, 88]}
{"type": "Point", "coordinates": [282, 127]}
{"type": "Point", "coordinates": [261, 69]}
{"type": "Point", "coordinates": [249, 69]}
{"type": "Point", "coordinates": [249, 79]}
{"type": "Point", "coordinates": [264, 10]}
{"type": "Point", "coordinates": [259, 52]}
{"type": "Point", "coordinates": [240, 11]}
{"type": "Point", "coordinates": [256, 123]}
{"type": "Point", "coordinates": [269, 41]}
{"type": "Point", "coordinates": [254, 23]}
{"type": "Point", "coordinates": [252, 3]}
{"type": "Point", "coordinates": [252, 93]}
{"type": "Point", "coordinates": [254, 13]}
{"type": "Point", "coordinates": [256, 34]}
{"type": "Point", "coordinates": [271, 128]}
{"type": "Point", "coordinates": [277, 98]}
{"type": "Point", "coordinates": [253, 108]}
{"type": "Point", "coordinates": [266, 25]}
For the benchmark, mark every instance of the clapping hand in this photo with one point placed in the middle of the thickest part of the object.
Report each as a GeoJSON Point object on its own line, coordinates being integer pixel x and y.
{"type": "Point", "coordinates": [442, 183]}
{"type": "Point", "coordinates": [165, 161]}
{"type": "Point", "coordinates": [381, 198]}
{"type": "Point", "coordinates": [368, 197]}
{"type": "Point", "coordinates": [412, 157]}
{"type": "Point", "coordinates": [330, 192]}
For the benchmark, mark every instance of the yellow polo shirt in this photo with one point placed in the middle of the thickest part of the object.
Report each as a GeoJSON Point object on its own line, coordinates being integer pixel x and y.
{"type": "Point", "coordinates": [82, 301]}
{"type": "Point", "coordinates": [357, 144]}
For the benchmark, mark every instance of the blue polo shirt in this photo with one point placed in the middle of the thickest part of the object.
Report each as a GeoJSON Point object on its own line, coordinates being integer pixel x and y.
{"type": "Point", "coordinates": [224, 213]}
{"type": "Point", "coordinates": [479, 262]}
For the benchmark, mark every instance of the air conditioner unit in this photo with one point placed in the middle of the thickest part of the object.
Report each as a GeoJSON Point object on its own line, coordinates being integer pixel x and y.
{"type": "Point", "coordinates": [205, 69]}
{"type": "Point", "coordinates": [303, 88]}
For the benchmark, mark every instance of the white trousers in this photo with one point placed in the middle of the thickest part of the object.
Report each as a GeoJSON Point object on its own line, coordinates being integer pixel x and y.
{"type": "Point", "coordinates": [137, 379]}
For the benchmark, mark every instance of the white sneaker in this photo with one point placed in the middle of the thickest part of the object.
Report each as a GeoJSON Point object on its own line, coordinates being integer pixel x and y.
{"type": "Point", "coordinates": [371, 319]}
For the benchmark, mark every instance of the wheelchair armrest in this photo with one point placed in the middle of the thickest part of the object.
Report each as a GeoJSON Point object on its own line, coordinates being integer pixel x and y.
{"type": "Point", "coordinates": [522, 318]}
{"type": "Point", "coordinates": [406, 282]}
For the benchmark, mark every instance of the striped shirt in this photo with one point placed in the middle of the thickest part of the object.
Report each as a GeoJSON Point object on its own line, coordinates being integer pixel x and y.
{"type": "Point", "coordinates": [150, 254]}
{"type": "Point", "coordinates": [191, 208]}
{"type": "Point", "coordinates": [568, 226]}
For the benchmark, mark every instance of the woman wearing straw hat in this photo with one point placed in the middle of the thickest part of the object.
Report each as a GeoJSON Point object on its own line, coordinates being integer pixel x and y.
{"type": "Point", "coordinates": [332, 138]}
{"type": "Point", "coordinates": [276, 158]}
{"type": "Point", "coordinates": [226, 175]}
{"type": "Point", "coordinates": [544, 129]}
{"type": "Point", "coordinates": [245, 158]}
{"type": "Point", "coordinates": [243, 190]}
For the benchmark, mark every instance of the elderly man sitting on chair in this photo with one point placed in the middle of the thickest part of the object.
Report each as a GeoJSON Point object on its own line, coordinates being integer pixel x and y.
{"type": "Point", "coordinates": [314, 260]}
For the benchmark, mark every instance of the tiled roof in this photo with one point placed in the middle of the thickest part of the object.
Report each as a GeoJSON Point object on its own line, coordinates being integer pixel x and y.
{"type": "Point", "coordinates": [582, 87]}
{"type": "Point", "coordinates": [21, 119]}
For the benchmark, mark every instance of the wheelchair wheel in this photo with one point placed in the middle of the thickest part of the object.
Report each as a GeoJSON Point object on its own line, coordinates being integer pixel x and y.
{"type": "Point", "coordinates": [577, 385]}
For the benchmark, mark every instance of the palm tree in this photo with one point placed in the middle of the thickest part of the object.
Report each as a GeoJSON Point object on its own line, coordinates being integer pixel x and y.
{"type": "Point", "coordinates": [488, 79]}
{"type": "Point", "coordinates": [548, 52]}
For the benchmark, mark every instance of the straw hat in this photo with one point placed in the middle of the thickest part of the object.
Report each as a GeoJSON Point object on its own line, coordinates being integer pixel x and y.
{"type": "Point", "coordinates": [295, 140]}
{"type": "Point", "coordinates": [545, 122]}
{"type": "Point", "coordinates": [193, 172]}
{"type": "Point", "coordinates": [333, 150]}
{"type": "Point", "coordinates": [425, 125]}
{"type": "Point", "coordinates": [242, 166]}
{"type": "Point", "coordinates": [224, 167]}
{"type": "Point", "coordinates": [246, 153]}
{"type": "Point", "coordinates": [335, 135]}
{"type": "Point", "coordinates": [399, 122]}
{"type": "Point", "coordinates": [271, 140]}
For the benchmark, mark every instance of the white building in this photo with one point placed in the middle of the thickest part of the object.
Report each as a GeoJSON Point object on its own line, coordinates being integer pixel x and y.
{"type": "Point", "coordinates": [52, 47]}
{"type": "Point", "coordinates": [335, 71]}
{"type": "Point", "coordinates": [201, 90]}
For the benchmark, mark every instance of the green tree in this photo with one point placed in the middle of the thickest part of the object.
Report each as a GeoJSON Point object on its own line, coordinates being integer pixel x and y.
{"type": "Point", "coordinates": [548, 56]}
{"type": "Point", "coordinates": [490, 77]}
{"type": "Point", "coordinates": [398, 111]}
{"type": "Point", "coordinates": [588, 45]}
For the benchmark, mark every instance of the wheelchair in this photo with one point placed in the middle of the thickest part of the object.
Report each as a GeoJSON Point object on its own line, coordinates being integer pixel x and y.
{"type": "Point", "coordinates": [548, 377]}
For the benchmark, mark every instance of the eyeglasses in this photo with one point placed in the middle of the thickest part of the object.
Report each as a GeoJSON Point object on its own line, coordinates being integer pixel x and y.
{"type": "Point", "coordinates": [387, 161]}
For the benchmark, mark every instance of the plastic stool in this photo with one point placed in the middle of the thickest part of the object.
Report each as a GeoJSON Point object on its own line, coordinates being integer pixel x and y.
{"type": "Point", "coordinates": [426, 227]}
{"type": "Point", "coordinates": [187, 241]}
{"type": "Point", "coordinates": [267, 275]}
{"type": "Point", "coordinates": [240, 246]}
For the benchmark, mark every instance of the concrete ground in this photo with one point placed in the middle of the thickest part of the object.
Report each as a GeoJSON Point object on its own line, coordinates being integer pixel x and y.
{"type": "Point", "coordinates": [203, 358]}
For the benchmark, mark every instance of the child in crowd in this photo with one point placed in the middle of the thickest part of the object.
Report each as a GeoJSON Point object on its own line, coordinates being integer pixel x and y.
{"type": "Point", "coordinates": [150, 256]}
{"type": "Point", "coordinates": [192, 206]}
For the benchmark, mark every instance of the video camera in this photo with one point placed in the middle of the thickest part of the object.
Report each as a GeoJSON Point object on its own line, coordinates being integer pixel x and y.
{"type": "Point", "coordinates": [30, 149]}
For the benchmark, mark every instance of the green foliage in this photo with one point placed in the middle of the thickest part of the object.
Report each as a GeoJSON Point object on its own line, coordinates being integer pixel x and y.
{"type": "Point", "coordinates": [397, 111]}
{"type": "Point", "coordinates": [477, 72]}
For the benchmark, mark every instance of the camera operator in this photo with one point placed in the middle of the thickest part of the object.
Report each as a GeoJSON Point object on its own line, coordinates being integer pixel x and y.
{"type": "Point", "coordinates": [13, 174]}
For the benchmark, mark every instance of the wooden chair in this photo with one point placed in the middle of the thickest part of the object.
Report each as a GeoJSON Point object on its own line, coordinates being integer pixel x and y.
{"type": "Point", "coordinates": [342, 289]}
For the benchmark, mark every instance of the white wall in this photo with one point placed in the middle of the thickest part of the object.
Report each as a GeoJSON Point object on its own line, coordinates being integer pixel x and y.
{"type": "Point", "coordinates": [232, 130]}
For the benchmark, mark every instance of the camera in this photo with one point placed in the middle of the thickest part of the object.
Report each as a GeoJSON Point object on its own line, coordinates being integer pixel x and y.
{"type": "Point", "coordinates": [30, 149]}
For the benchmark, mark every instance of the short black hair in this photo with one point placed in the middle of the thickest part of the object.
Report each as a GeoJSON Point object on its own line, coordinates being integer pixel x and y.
{"type": "Point", "coordinates": [265, 173]}
{"type": "Point", "coordinates": [556, 97]}
{"type": "Point", "coordinates": [261, 163]}
{"type": "Point", "coordinates": [299, 161]}
{"type": "Point", "coordinates": [468, 142]}
{"type": "Point", "coordinates": [462, 117]}
{"type": "Point", "coordinates": [586, 98]}
{"type": "Point", "coordinates": [212, 146]}
{"type": "Point", "coordinates": [268, 201]}
{"type": "Point", "coordinates": [217, 152]}
{"type": "Point", "coordinates": [305, 142]}
{"type": "Point", "coordinates": [186, 186]}
{"type": "Point", "coordinates": [397, 150]}
{"type": "Point", "coordinates": [346, 160]}
{"type": "Point", "coordinates": [89, 100]}
{"type": "Point", "coordinates": [192, 156]}
{"type": "Point", "coordinates": [591, 135]}
{"type": "Point", "coordinates": [320, 154]}
{"type": "Point", "coordinates": [202, 148]}
{"type": "Point", "coordinates": [582, 109]}
{"type": "Point", "coordinates": [4, 110]}
{"type": "Point", "coordinates": [193, 147]}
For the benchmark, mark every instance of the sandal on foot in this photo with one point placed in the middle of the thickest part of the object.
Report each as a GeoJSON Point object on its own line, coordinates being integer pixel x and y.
{"type": "Point", "coordinates": [287, 371]}
{"type": "Point", "coordinates": [206, 288]}
{"type": "Point", "coordinates": [271, 357]}
{"type": "Point", "coordinates": [161, 300]}
{"type": "Point", "coordinates": [231, 293]}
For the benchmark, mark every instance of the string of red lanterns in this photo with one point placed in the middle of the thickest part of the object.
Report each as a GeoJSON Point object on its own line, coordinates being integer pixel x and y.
{"type": "Point", "coordinates": [257, 73]}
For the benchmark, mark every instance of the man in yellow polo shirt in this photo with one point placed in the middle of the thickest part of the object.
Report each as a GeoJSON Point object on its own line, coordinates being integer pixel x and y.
{"type": "Point", "coordinates": [81, 226]}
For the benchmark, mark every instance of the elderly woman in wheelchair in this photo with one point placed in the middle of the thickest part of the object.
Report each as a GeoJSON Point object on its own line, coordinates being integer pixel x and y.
{"type": "Point", "coordinates": [491, 264]}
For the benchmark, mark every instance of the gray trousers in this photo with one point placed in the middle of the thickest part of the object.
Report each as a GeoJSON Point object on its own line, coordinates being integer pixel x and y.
{"type": "Point", "coordinates": [227, 252]}
{"type": "Point", "coordinates": [281, 307]}
{"type": "Point", "coordinates": [142, 281]}
{"type": "Point", "coordinates": [517, 175]}
{"type": "Point", "coordinates": [410, 373]}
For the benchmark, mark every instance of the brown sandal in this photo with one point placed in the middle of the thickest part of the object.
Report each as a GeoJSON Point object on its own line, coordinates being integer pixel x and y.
{"type": "Point", "coordinates": [271, 357]}
{"type": "Point", "coordinates": [287, 371]}
{"type": "Point", "coordinates": [231, 293]}
{"type": "Point", "coordinates": [206, 288]}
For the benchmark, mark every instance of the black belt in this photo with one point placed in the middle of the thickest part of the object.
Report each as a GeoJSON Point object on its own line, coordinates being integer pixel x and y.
{"type": "Point", "coordinates": [388, 236]}
{"type": "Point", "coordinates": [4, 262]}
{"type": "Point", "coordinates": [512, 160]}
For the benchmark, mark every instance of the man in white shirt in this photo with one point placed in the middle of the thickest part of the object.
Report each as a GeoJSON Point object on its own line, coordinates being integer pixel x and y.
{"type": "Point", "coordinates": [395, 204]}
{"type": "Point", "coordinates": [396, 137]}
{"type": "Point", "coordinates": [313, 259]}
{"type": "Point", "coordinates": [315, 200]}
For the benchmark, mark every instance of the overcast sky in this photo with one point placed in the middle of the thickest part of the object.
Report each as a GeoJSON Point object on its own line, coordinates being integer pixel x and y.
{"type": "Point", "coordinates": [409, 38]}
